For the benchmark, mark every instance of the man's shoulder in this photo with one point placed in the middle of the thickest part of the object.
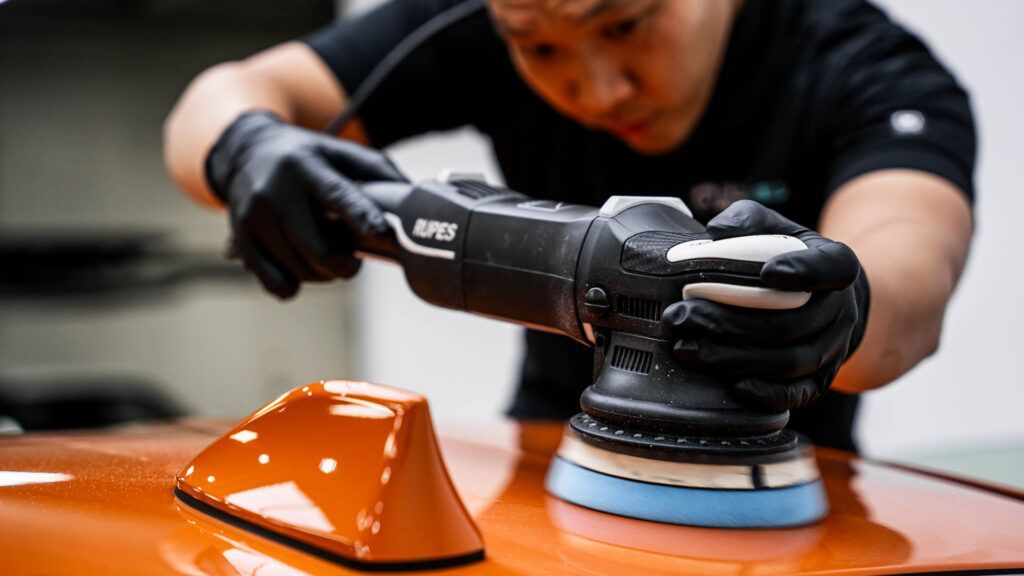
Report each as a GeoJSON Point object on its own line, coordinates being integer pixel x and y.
{"type": "Point", "coordinates": [827, 55]}
{"type": "Point", "coordinates": [464, 16]}
{"type": "Point", "coordinates": [848, 33]}
{"type": "Point", "coordinates": [427, 7]}
{"type": "Point", "coordinates": [464, 34]}
{"type": "Point", "coordinates": [839, 12]}
{"type": "Point", "coordinates": [777, 42]}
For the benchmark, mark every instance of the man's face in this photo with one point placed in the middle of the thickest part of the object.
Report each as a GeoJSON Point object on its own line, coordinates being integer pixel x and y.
{"type": "Point", "coordinates": [643, 70]}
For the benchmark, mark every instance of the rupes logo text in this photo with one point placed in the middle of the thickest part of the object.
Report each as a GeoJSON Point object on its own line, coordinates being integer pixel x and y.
{"type": "Point", "coordinates": [443, 231]}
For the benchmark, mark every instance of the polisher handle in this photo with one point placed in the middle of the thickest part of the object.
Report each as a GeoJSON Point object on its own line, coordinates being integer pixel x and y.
{"type": "Point", "coordinates": [388, 196]}
{"type": "Point", "coordinates": [468, 245]}
{"type": "Point", "coordinates": [760, 249]}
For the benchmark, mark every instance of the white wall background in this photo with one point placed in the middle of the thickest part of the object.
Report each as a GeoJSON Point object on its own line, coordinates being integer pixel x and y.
{"type": "Point", "coordinates": [970, 394]}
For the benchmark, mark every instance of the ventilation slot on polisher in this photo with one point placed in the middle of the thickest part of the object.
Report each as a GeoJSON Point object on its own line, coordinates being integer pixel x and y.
{"type": "Point", "coordinates": [632, 360]}
{"type": "Point", "coordinates": [639, 308]}
{"type": "Point", "coordinates": [476, 189]}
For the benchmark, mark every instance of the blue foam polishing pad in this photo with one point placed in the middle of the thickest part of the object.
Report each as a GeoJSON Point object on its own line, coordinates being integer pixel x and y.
{"type": "Point", "coordinates": [708, 507]}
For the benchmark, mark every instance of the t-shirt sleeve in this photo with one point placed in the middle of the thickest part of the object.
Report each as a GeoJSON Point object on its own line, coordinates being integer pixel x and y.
{"type": "Point", "coordinates": [422, 93]}
{"type": "Point", "coordinates": [896, 106]}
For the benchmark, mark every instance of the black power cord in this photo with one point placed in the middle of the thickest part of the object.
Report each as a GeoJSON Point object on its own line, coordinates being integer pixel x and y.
{"type": "Point", "coordinates": [397, 55]}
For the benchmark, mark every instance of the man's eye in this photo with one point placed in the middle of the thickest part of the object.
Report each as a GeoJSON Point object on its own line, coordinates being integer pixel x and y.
{"type": "Point", "coordinates": [540, 51]}
{"type": "Point", "coordinates": [621, 29]}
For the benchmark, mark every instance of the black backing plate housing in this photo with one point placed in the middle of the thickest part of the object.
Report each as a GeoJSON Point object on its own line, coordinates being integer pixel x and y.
{"type": "Point", "coordinates": [682, 448]}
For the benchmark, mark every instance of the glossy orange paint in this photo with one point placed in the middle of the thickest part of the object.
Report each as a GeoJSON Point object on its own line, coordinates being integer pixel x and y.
{"type": "Point", "coordinates": [113, 513]}
{"type": "Point", "coordinates": [351, 468]}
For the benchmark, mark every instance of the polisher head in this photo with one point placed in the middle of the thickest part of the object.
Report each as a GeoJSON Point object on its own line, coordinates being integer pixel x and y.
{"type": "Point", "coordinates": [769, 481]}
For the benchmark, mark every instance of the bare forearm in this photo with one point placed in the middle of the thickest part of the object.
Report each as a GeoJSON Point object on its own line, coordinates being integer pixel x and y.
{"type": "Point", "coordinates": [211, 102]}
{"type": "Point", "coordinates": [911, 232]}
{"type": "Point", "coordinates": [288, 80]}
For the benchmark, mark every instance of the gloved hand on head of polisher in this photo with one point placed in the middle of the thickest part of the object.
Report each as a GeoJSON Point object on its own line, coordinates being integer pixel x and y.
{"type": "Point", "coordinates": [294, 200]}
{"type": "Point", "coordinates": [777, 359]}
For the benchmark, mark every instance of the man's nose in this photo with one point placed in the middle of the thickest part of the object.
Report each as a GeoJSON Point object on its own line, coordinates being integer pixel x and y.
{"type": "Point", "coordinates": [601, 86]}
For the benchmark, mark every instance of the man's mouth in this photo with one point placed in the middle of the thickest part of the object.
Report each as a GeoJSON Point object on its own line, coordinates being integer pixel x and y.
{"type": "Point", "coordinates": [633, 126]}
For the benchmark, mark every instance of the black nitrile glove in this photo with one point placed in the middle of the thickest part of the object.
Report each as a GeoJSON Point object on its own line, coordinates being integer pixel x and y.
{"type": "Point", "coordinates": [777, 359]}
{"type": "Point", "coordinates": [293, 199]}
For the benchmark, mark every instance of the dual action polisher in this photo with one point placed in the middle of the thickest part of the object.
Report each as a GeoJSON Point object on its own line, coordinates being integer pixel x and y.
{"type": "Point", "coordinates": [655, 441]}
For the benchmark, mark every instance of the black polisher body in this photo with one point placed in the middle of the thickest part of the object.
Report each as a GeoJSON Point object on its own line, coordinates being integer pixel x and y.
{"type": "Point", "coordinates": [602, 276]}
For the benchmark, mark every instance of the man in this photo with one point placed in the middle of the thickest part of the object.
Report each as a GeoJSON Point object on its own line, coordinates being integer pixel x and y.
{"type": "Point", "coordinates": [824, 111]}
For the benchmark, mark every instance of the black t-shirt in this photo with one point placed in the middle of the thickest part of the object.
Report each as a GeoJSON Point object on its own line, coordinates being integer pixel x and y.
{"type": "Point", "coordinates": [811, 94]}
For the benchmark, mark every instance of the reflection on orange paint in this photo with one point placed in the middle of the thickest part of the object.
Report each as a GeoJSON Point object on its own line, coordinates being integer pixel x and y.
{"type": "Point", "coordinates": [349, 467]}
{"type": "Point", "coordinates": [115, 514]}
{"type": "Point", "coordinates": [16, 478]}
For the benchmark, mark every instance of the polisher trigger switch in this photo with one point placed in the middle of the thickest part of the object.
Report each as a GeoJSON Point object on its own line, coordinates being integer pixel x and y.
{"type": "Point", "coordinates": [746, 296]}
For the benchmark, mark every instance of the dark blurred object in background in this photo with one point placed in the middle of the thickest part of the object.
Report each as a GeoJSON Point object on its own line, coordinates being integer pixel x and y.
{"type": "Point", "coordinates": [83, 403]}
{"type": "Point", "coordinates": [62, 263]}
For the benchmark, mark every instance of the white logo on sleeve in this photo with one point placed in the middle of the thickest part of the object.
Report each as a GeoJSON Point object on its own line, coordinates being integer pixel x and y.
{"type": "Point", "coordinates": [907, 122]}
{"type": "Point", "coordinates": [435, 229]}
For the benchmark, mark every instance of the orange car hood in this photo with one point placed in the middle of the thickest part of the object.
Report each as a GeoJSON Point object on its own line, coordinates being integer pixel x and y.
{"type": "Point", "coordinates": [102, 503]}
